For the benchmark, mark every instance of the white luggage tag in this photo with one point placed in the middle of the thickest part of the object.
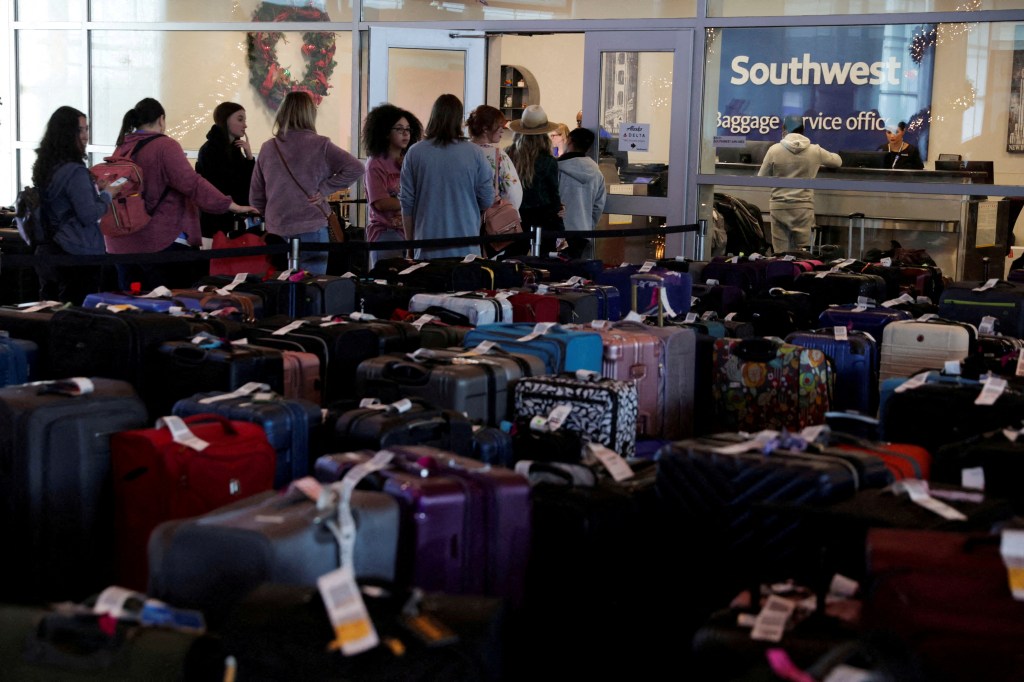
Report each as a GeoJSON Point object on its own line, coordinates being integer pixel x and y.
{"type": "Point", "coordinates": [470, 257]}
{"type": "Point", "coordinates": [951, 368]}
{"type": "Point", "coordinates": [611, 460]}
{"type": "Point", "coordinates": [484, 348]}
{"type": "Point", "coordinates": [1019, 370]}
{"type": "Point", "coordinates": [349, 275]}
{"type": "Point", "coordinates": [542, 289]}
{"type": "Point", "coordinates": [863, 303]}
{"type": "Point", "coordinates": [663, 295]}
{"type": "Point", "coordinates": [353, 628]}
{"type": "Point", "coordinates": [290, 327]}
{"type": "Point", "coordinates": [987, 285]}
{"type": "Point", "coordinates": [251, 388]}
{"type": "Point", "coordinates": [759, 440]}
{"type": "Point", "coordinates": [114, 601]}
{"type": "Point", "coordinates": [423, 320]}
{"type": "Point", "coordinates": [886, 262]}
{"type": "Point", "coordinates": [992, 388]}
{"type": "Point", "coordinates": [921, 496]}
{"type": "Point", "coordinates": [903, 298]}
{"type": "Point", "coordinates": [73, 386]}
{"type": "Point", "coordinates": [912, 383]}
{"type": "Point", "coordinates": [601, 324]}
{"type": "Point", "coordinates": [973, 478]}
{"type": "Point", "coordinates": [754, 256]}
{"type": "Point", "coordinates": [840, 333]}
{"type": "Point", "coordinates": [539, 330]}
{"type": "Point", "coordinates": [690, 318]}
{"type": "Point", "coordinates": [159, 292]}
{"type": "Point", "coordinates": [40, 305]}
{"type": "Point", "coordinates": [789, 257]}
{"type": "Point", "coordinates": [712, 282]}
{"type": "Point", "coordinates": [576, 281]}
{"type": "Point", "coordinates": [285, 274]}
{"type": "Point", "coordinates": [551, 423]}
{"type": "Point", "coordinates": [633, 316]}
{"type": "Point", "coordinates": [181, 434]}
{"type": "Point", "coordinates": [988, 325]}
{"type": "Point", "coordinates": [647, 266]}
{"type": "Point", "coordinates": [413, 268]}
{"type": "Point", "coordinates": [362, 317]}
{"type": "Point", "coordinates": [770, 624]}
{"type": "Point", "coordinates": [1011, 547]}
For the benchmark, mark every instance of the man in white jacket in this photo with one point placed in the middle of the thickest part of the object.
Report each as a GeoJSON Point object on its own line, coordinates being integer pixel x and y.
{"type": "Point", "coordinates": [792, 209]}
{"type": "Point", "coordinates": [581, 189]}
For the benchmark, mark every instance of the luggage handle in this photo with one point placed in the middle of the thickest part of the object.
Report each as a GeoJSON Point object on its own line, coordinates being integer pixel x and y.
{"type": "Point", "coordinates": [206, 417]}
{"type": "Point", "coordinates": [189, 354]}
{"type": "Point", "coordinates": [758, 349]}
{"type": "Point", "coordinates": [408, 373]}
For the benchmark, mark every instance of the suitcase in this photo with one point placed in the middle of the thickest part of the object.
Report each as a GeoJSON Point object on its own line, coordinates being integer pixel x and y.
{"type": "Point", "coordinates": [677, 287]}
{"type": "Point", "coordinates": [438, 275]}
{"type": "Point", "coordinates": [19, 323]}
{"type": "Point", "coordinates": [910, 416]}
{"type": "Point", "coordinates": [854, 361]}
{"type": "Point", "coordinates": [179, 369]}
{"type": "Point", "coordinates": [609, 299]}
{"type": "Point", "coordinates": [574, 307]}
{"type": "Point", "coordinates": [381, 298]}
{"type": "Point", "coordinates": [533, 308]}
{"type": "Point", "coordinates": [472, 520]}
{"type": "Point", "coordinates": [210, 562]}
{"type": "Point", "coordinates": [275, 293]}
{"type": "Point", "coordinates": [156, 479]}
{"type": "Point", "coordinates": [603, 410]}
{"type": "Point", "coordinates": [479, 385]}
{"type": "Point", "coordinates": [721, 299]}
{"type": "Point", "coordinates": [562, 350]}
{"type": "Point", "coordinates": [437, 334]}
{"type": "Point", "coordinates": [561, 269]}
{"type": "Point", "coordinates": [665, 390]}
{"type": "Point", "coordinates": [751, 276]}
{"type": "Point", "coordinates": [340, 348]}
{"type": "Point", "coordinates": [904, 460]}
{"type": "Point", "coordinates": [779, 312]}
{"type": "Point", "coordinates": [395, 336]}
{"type": "Point", "coordinates": [839, 286]}
{"type": "Point", "coordinates": [57, 516]}
{"type": "Point", "coordinates": [288, 424]}
{"type": "Point", "coordinates": [769, 384]}
{"type": "Point", "coordinates": [974, 630]}
{"type": "Point", "coordinates": [1004, 301]}
{"type": "Point", "coordinates": [999, 459]}
{"type": "Point", "coordinates": [93, 342]}
{"type": "Point", "coordinates": [249, 306]}
{"type": "Point", "coordinates": [864, 318]}
{"type": "Point", "coordinates": [153, 304]}
{"type": "Point", "coordinates": [478, 308]}
{"type": "Point", "coordinates": [746, 506]}
{"type": "Point", "coordinates": [383, 426]}
{"type": "Point", "coordinates": [328, 295]}
{"type": "Point", "coordinates": [17, 360]}
{"type": "Point", "coordinates": [910, 346]}
{"type": "Point", "coordinates": [301, 376]}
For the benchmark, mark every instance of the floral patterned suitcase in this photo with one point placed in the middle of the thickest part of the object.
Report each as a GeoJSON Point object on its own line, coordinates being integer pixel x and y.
{"type": "Point", "coordinates": [766, 383]}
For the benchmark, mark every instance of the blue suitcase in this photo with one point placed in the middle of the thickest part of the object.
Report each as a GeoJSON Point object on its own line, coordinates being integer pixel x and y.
{"type": "Point", "coordinates": [159, 304]}
{"type": "Point", "coordinates": [17, 358]}
{"type": "Point", "coordinates": [855, 361]}
{"type": "Point", "coordinates": [562, 350]}
{"type": "Point", "coordinates": [289, 424]}
{"type": "Point", "coordinates": [678, 286]}
{"type": "Point", "coordinates": [609, 299]}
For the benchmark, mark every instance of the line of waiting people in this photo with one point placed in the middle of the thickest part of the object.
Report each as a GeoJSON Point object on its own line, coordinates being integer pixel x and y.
{"type": "Point", "coordinates": [430, 183]}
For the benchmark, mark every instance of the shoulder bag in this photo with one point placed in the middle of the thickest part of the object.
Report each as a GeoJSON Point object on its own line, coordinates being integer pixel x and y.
{"type": "Point", "coordinates": [501, 217]}
{"type": "Point", "coordinates": [335, 231]}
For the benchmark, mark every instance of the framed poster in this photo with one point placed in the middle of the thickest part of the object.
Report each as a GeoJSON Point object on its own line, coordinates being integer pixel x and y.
{"type": "Point", "coordinates": [1015, 135]}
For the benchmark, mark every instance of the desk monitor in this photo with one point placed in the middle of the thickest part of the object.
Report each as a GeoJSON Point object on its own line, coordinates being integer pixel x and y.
{"type": "Point", "coordinates": [949, 157]}
{"type": "Point", "coordinates": [986, 167]}
{"type": "Point", "coordinates": [863, 159]}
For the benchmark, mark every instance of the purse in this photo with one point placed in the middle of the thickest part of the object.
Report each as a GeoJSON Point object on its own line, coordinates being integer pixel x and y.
{"type": "Point", "coordinates": [335, 232]}
{"type": "Point", "coordinates": [501, 217]}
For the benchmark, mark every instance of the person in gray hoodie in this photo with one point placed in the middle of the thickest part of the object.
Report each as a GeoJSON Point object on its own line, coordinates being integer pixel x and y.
{"type": "Point", "coordinates": [581, 188]}
{"type": "Point", "coordinates": [791, 208]}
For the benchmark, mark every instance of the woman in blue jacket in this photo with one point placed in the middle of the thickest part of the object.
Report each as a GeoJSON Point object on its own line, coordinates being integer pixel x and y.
{"type": "Point", "coordinates": [72, 204]}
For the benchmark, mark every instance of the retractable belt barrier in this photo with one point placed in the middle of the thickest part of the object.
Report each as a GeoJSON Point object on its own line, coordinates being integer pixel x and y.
{"type": "Point", "coordinates": [28, 260]}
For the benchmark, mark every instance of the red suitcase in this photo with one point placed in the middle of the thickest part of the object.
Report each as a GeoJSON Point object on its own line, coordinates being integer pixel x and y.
{"type": "Point", "coordinates": [157, 479]}
{"type": "Point", "coordinates": [530, 307]}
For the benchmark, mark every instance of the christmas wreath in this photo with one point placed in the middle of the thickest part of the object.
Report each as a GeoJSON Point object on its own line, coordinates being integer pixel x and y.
{"type": "Point", "coordinates": [275, 81]}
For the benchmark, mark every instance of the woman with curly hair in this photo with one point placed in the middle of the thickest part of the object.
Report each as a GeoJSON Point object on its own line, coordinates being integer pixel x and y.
{"type": "Point", "coordinates": [72, 204]}
{"type": "Point", "coordinates": [387, 133]}
{"type": "Point", "coordinates": [486, 125]}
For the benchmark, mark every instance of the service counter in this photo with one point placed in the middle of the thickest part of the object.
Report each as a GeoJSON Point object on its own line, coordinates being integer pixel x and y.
{"type": "Point", "coordinates": [956, 230]}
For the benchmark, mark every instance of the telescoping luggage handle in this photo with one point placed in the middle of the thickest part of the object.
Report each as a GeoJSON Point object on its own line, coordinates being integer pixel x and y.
{"type": "Point", "coordinates": [647, 280]}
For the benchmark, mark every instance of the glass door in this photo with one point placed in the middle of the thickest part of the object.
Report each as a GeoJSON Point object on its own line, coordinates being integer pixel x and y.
{"type": "Point", "coordinates": [410, 68]}
{"type": "Point", "coordinates": [634, 98]}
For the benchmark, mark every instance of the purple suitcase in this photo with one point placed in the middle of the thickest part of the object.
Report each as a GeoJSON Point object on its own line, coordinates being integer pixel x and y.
{"type": "Point", "coordinates": [466, 524]}
{"type": "Point", "coordinates": [156, 304]}
{"type": "Point", "coordinates": [862, 318]}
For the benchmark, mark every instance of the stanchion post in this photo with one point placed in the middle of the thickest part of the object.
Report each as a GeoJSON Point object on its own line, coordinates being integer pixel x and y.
{"type": "Point", "coordinates": [535, 244]}
{"type": "Point", "coordinates": [698, 241]}
{"type": "Point", "coordinates": [293, 287]}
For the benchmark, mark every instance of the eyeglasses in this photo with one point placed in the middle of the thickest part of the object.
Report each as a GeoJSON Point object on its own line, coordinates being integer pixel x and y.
{"type": "Point", "coordinates": [400, 129]}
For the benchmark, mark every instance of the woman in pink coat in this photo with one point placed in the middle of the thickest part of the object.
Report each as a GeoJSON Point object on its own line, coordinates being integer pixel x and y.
{"type": "Point", "coordinates": [174, 195]}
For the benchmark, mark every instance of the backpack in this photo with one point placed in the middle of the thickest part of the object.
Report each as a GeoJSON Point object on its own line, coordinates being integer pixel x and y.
{"type": "Point", "coordinates": [28, 217]}
{"type": "Point", "coordinates": [127, 213]}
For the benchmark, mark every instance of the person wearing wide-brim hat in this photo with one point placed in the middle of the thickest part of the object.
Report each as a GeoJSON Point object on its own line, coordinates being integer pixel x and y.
{"type": "Point", "coordinates": [530, 152]}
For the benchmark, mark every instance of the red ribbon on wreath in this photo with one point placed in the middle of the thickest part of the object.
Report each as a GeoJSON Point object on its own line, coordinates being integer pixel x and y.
{"type": "Point", "coordinates": [266, 74]}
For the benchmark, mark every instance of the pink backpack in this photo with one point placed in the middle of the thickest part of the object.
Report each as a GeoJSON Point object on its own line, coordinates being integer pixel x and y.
{"type": "Point", "coordinates": [127, 213]}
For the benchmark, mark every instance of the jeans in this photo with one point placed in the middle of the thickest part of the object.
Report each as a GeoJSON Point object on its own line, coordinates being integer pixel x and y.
{"type": "Point", "coordinates": [387, 236]}
{"type": "Point", "coordinates": [314, 262]}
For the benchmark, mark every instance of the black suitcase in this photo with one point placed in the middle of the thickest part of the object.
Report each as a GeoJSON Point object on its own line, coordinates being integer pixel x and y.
{"type": "Point", "coordinates": [340, 347]}
{"type": "Point", "coordinates": [96, 342]}
{"type": "Point", "coordinates": [57, 519]}
{"type": "Point", "coordinates": [395, 336]}
{"type": "Point", "coordinates": [30, 326]}
{"type": "Point", "coordinates": [827, 288]}
{"type": "Point", "coordinates": [381, 298]}
{"type": "Point", "coordinates": [373, 428]}
{"type": "Point", "coordinates": [180, 369]}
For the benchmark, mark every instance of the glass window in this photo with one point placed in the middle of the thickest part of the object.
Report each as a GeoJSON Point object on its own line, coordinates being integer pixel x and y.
{"type": "Point", "coordinates": [532, 10]}
{"type": "Point", "coordinates": [48, 10]}
{"type": "Point", "coordinates": [191, 72]}
{"type": "Point", "coordinates": [37, 85]}
{"type": "Point", "coordinates": [956, 87]}
{"type": "Point", "coordinates": [205, 10]}
{"type": "Point", "coordinates": [417, 76]}
{"type": "Point", "coordinates": [793, 8]}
